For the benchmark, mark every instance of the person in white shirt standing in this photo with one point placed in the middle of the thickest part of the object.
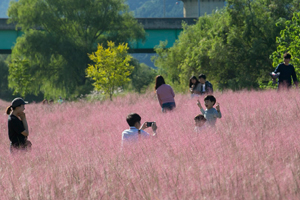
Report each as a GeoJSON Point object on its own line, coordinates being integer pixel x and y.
{"type": "Point", "coordinates": [136, 130]}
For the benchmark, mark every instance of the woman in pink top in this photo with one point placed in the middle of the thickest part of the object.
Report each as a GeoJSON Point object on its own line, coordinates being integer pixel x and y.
{"type": "Point", "coordinates": [165, 94]}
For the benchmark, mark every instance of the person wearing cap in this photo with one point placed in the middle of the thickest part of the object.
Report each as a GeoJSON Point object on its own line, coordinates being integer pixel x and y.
{"type": "Point", "coordinates": [286, 71]}
{"type": "Point", "coordinates": [17, 125]}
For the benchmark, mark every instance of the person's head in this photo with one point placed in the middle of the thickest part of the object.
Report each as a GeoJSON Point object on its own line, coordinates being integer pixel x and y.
{"type": "Point", "coordinates": [159, 80]}
{"type": "Point", "coordinates": [202, 78]}
{"type": "Point", "coordinates": [209, 101]}
{"type": "Point", "coordinates": [17, 106]}
{"type": "Point", "coordinates": [193, 81]}
{"type": "Point", "coordinates": [199, 120]}
{"type": "Point", "coordinates": [133, 119]}
{"type": "Point", "coordinates": [287, 57]}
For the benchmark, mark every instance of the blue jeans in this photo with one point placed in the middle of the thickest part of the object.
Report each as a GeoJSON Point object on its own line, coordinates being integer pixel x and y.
{"type": "Point", "coordinates": [168, 106]}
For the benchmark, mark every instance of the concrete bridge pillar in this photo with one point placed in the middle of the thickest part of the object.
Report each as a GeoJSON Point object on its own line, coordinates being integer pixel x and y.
{"type": "Point", "coordinates": [190, 7]}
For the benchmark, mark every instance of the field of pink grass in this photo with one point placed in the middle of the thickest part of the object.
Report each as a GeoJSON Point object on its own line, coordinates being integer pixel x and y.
{"type": "Point", "coordinates": [253, 152]}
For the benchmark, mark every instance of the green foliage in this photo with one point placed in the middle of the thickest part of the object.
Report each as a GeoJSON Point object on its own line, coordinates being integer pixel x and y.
{"type": "Point", "coordinates": [21, 85]}
{"type": "Point", "coordinates": [231, 46]}
{"type": "Point", "coordinates": [5, 92]}
{"type": "Point", "coordinates": [111, 68]}
{"type": "Point", "coordinates": [289, 41]}
{"type": "Point", "coordinates": [59, 34]}
{"type": "Point", "coordinates": [141, 77]}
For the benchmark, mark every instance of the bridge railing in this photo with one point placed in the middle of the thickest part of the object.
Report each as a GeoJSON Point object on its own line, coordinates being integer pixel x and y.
{"type": "Point", "coordinates": [157, 29]}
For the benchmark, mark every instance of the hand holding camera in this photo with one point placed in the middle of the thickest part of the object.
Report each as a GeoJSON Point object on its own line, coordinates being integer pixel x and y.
{"type": "Point", "coordinates": [274, 76]}
{"type": "Point", "coordinates": [153, 125]}
{"type": "Point", "coordinates": [150, 124]}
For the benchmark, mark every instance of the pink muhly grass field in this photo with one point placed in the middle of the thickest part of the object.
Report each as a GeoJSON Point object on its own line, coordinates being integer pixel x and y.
{"type": "Point", "coordinates": [253, 152]}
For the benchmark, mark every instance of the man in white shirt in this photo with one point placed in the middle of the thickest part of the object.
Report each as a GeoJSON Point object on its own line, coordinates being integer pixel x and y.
{"type": "Point", "coordinates": [135, 130]}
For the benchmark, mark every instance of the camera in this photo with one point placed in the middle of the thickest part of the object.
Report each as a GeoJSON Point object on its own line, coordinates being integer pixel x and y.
{"type": "Point", "coordinates": [149, 124]}
{"type": "Point", "coordinates": [274, 75]}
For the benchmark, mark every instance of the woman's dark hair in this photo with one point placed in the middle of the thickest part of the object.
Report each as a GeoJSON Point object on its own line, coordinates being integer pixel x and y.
{"type": "Point", "coordinates": [159, 80]}
{"type": "Point", "coordinates": [197, 81]}
{"type": "Point", "coordinates": [9, 109]}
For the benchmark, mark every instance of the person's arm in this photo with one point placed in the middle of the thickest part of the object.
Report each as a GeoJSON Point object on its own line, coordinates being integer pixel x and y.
{"type": "Point", "coordinates": [153, 126]}
{"type": "Point", "coordinates": [24, 121]}
{"type": "Point", "coordinates": [294, 77]}
{"type": "Point", "coordinates": [277, 69]}
{"type": "Point", "coordinates": [218, 115]}
{"type": "Point", "coordinates": [201, 109]}
{"type": "Point", "coordinates": [18, 127]}
{"type": "Point", "coordinates": [159, 100]}
{"type": "Point", "coordinates": [172, 92]}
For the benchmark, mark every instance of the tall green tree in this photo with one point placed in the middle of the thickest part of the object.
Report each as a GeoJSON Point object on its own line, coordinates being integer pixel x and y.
{"type": "Point", "coordinates": [58, 34]}
{"type": "Point", "coordinates": [111, 68]}
{"type": "Point", "coordinates": [22, 84]}
{"type": "Point", "coordinates": [5, 92]}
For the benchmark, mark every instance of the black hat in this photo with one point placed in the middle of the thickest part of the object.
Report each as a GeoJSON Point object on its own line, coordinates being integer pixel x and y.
{"type": "Point", "coordinates": [17, 102]}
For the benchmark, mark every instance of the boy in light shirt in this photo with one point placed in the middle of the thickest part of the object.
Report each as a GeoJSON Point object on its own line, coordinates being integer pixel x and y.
{"type": "Point", "coordinates": [211, 114]}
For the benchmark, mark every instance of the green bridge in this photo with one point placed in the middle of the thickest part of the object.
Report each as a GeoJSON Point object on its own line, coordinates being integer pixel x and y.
{"type": "Point", "coordinates": [157, 29]}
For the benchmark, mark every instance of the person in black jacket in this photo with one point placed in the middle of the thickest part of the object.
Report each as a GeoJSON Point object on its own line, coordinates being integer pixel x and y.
{"type": "Point", "coordinates": [206, 86]}
{"type": "Point", "coordinates": [17, 125]}
{"type": "Point", "coordinates": [286, 71]}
